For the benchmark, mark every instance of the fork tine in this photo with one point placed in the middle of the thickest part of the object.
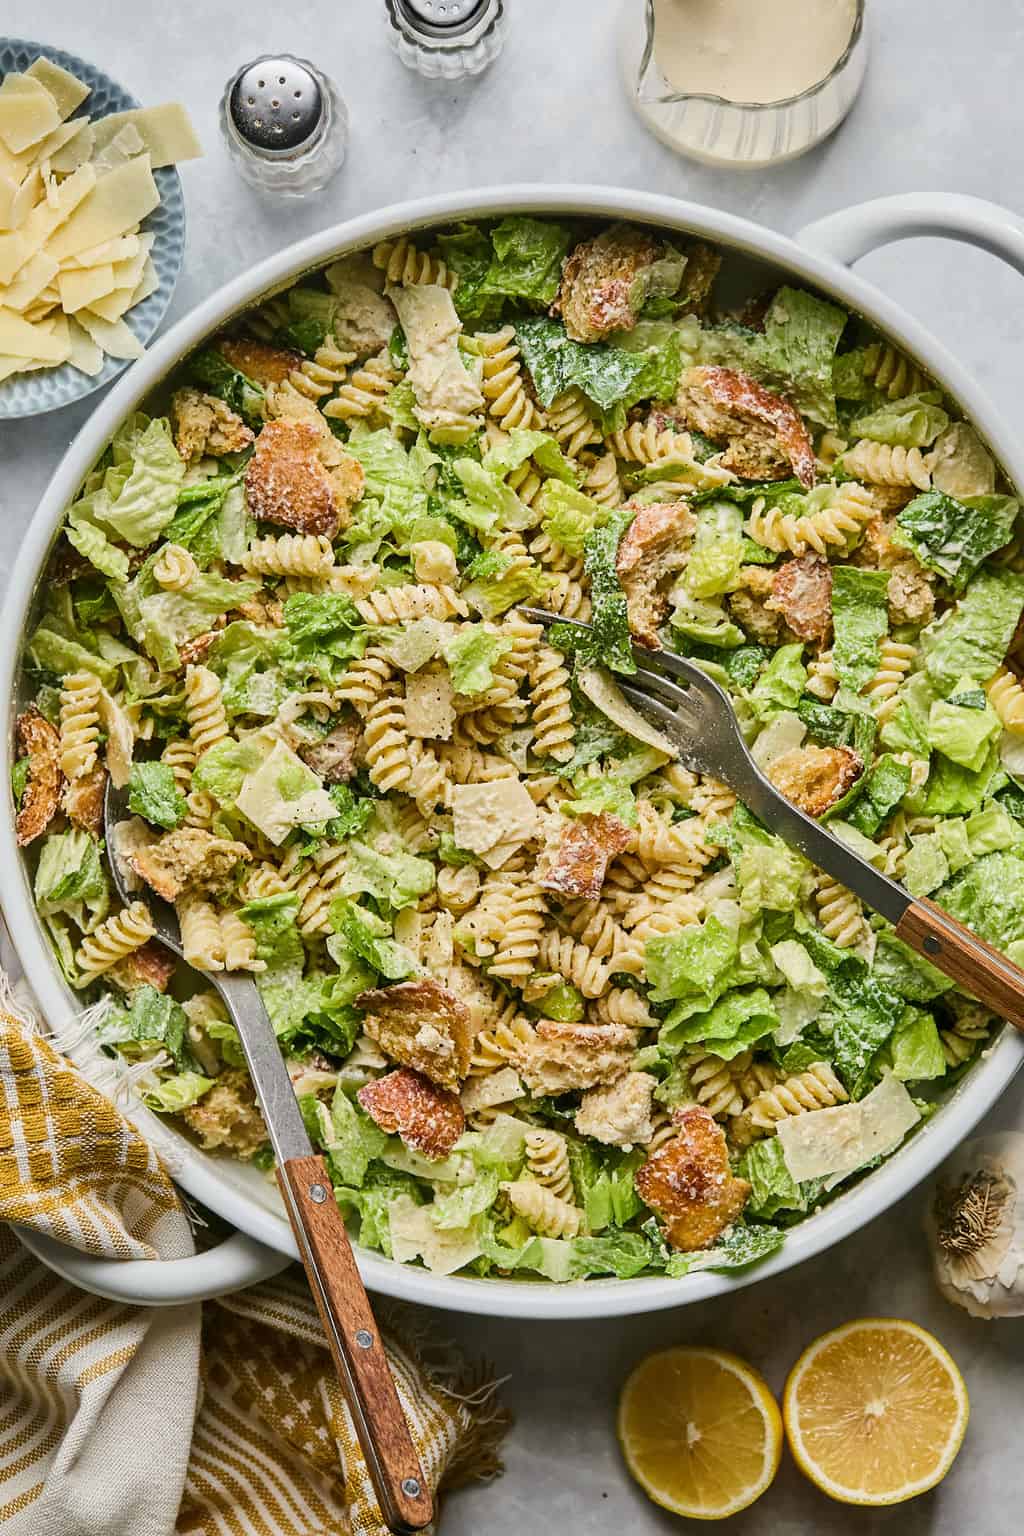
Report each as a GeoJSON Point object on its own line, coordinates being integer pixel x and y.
{"type": "Point", "coordinates": [654, 709]}
{"type": "Point", "coordinates": [671, 693]}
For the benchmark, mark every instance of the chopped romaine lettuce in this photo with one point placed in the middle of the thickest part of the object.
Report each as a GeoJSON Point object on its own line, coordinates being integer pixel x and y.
{"type": "Point", "coordinates": [972, 640]}
{"type": "Point", "coordinates": [471, 655]}
{"type": "Point", "coordinates": [153, 794]}
{"type": "Point", "coordinates": [568, 516]}
{"type": "Point", "coordinates": [954, 537]}
{"type": "Point", "coordinates": [859, 618]}
{"type": "Point", "coordinates": [399, 879]}
{"type": "Point", "coordinates": [527, 262]}
{"type": "Point", "coordinates": [913, 422]}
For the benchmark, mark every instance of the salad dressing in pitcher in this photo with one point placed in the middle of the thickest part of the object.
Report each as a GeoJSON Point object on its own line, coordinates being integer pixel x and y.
{"type": "Point", "coordinates": [750, 50]}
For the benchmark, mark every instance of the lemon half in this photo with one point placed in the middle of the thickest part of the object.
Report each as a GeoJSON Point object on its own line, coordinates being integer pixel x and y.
{"type": "Point", "coordinates": [700, 1431]}
{"type": "Point", "coordinates": [875, 1411]}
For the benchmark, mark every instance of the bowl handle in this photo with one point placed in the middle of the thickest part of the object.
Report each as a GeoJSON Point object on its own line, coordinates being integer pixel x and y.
{"type": "Point", "coordinates": [853, 232]}
{"type": "Point", "coordinates": [234, 1264]}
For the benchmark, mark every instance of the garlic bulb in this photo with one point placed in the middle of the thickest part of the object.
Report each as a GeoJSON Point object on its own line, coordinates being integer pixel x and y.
{"type": "Point", "coordinates": [976, 1227]}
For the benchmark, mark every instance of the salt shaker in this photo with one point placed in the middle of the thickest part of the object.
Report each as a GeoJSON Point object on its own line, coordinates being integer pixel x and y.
{"type": "Point", "coordinates": [446, 38]}
{"type": "Point", "coordinates": [285, 125]}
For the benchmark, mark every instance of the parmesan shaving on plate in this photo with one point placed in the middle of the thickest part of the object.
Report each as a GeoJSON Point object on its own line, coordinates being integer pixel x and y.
{"type": "Point", "coordinates": [831, 1143]}
{"type": "Point", "coordinates": [73, 194]}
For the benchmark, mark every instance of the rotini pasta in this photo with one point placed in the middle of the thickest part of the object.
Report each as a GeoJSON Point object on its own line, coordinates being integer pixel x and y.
{"type": "Point", "coordinates": [547, 1161]}
{"type": "Point", "coordinates": [850, 507]}
{"type": "Point", "coordinates": [541, 1209]}
{"type": "Point", "coordinates": [817, 1088]}
{"type": "Point", "coordinates": [291, 554]}
{"type": "Point", "coordinates": [401, 262]}
{"type": "Point", "coordinates": [202, 939]}
{"type": "Point", "coordinates": [502, 384]}
{"type": "Point", "coordinates": [174, 568]}
{"type": "Point", "coordinates": [114, 939]}
{"type": "Point", "coordinates": [1006, 696]}
{"type": "Point", "coordinates": [551, 702]}
{"type": "Point", "coordinates": [893, 373]}
{"type": "Point", "coordinates": [79, 724]}
{"type": "Point", "coordinates": [882, 464]}
{"type": "Point", "coordinates": [204, 707]}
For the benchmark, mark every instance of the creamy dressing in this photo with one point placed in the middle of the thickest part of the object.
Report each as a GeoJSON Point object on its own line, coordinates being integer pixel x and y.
{"type": "Point", "coordinates": [750, 50]}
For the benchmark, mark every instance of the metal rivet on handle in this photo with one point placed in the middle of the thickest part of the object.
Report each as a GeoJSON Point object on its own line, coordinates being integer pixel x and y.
{"type": "Point", "coordinates": [364, 1338]}
{"type": "Point", "coordinates": [317, 1193]}
{"type": "Point", "coordinates": [932, 946]}
{"type": "Point", "coordinates": [411, 1487]}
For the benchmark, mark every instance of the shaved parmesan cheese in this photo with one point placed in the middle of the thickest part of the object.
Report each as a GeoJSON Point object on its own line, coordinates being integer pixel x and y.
{"type": "Point", "coordinates": [27, 112]}
{"type": "Point", "coordinates": [67, 90]}
{"type": "Point", "coordinates": [77, 289]}
{"type": "Point", "coordinates": [110, 252]}
{"type": "Point", "coordinates": [414, 1236]}
{"type": "Point", "coordinates": [85, 355]}
{"type": "Point", "coordinates": [832, 1143]}
{"type": "Point", "coordinates": [125, 144]}
{"type": "Point", "coordinates": [24, 200]}
{"type": "Point", "coordinates": [14, 252]}
{"type": "Point", "coordinates": [54, 142]}
{"type": "Point", "coordinates": [498, 812]}
{"type": "Point", "coordinates": [34, 277]}
{"type": "Point", "coordinates": [149, 284]}
{"type": "Point", "coordinates": [114, 337]}
{"type": "Point", "coordinates": [428, 705]}
{"type": "Point", "coordinates": [164, 131]}
{"type": "Point", "coordinates": [20, 339]}
{"type": "Point", "coordinates": [120, 739]}
{"type": "Point", "coordinates": [493, 1088]}
{"type": "Point", "coordinates": [597, 685]}
{"type": "Point", "coordinates": [117, 202]}
{"type": "Point", "coordinates": [70, 242]}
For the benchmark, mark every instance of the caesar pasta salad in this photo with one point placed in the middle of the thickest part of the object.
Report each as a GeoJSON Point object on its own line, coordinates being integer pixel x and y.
{"type": "Point", "coordinates": [552, 1004]}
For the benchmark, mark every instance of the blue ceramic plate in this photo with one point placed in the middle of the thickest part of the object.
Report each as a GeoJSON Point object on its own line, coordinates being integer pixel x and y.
{"type": "Point", "coordinates": [29, 394]}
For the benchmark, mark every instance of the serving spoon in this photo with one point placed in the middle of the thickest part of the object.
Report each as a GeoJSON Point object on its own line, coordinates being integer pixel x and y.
{"type": "Point", "coordinates": [355, 1342]}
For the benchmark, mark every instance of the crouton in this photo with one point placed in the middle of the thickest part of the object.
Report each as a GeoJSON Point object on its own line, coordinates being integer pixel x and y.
{"type": "Point", "coordinates": [192, 651]}
{"type": "Point", "coordinates": [422, 1025]}
{"type": "Point", "coordinates": [602, 288]}
{"type": "Point", "coordinates": [204, 424]}
{"type": "Point", "coordinates": [802, 593]}
{"type": "Point", "coordinates": [619, 1115]}
{"type": "Point", "coordinates": [228, 1117]}
{"type": "Point", "coordinates": [188, 859]}
{"type": "Point", "coordinates": [911, 597]}
{"type": "Point", "coordinates": [814, 778]}
{"type": "Point", "coordinates": [429, 1119]}
{"type": "Point", "coordinates": [150, 966]}
{"type": "Point", "coordinates": [578, 862]}
{"type": "Point", "coordinates": [749, 606]}
{"type": "Point", "coordinates": [654, 547]}
{"type": "Point", "coordinates": [559, 1057]}
{"type": "Point", "coordinates": [82, 801]}
{"type": "Point", "coordinates": [689, 1183]}
{"type": "Point", "coordinates": [286, 482]}
{"type": "Point", "coordinates": [38, 741]}
{"type": "Point", "coordinates": [702, 264]}
{"type": "Point", "coordinates": [766, 435]}
{"type": "Point", "coordinates": [258, 360]}
{"type": "Point", "coordinates": [334, 758]}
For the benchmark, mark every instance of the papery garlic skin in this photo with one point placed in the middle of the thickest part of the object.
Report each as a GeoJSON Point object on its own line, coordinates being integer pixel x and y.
{"type": "Point", "coordinates": [975, 1226]}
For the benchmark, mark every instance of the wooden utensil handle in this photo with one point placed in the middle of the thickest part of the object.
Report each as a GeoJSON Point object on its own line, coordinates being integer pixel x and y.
{"type": "Point", "coordinates": [355, 1343]}
{"type": "Point", "coordinates": [974, 965]}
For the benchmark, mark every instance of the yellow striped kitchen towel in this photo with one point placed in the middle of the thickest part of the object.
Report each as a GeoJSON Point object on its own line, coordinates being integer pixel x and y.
{"type": "Point", "coordinates": [220, 1420]}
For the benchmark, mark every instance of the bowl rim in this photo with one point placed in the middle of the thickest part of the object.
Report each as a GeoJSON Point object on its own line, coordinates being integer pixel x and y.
{"type": "Point", "coordinates": [168, 180]}
{"type": "Point", "coordinates": [197, 1172]}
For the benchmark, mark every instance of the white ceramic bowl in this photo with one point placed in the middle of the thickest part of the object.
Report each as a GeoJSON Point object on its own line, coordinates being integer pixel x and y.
{"type": "Point", "coordinates": [243, 1196]}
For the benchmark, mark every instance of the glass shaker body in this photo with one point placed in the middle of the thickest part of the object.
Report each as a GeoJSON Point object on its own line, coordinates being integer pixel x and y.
{"type": "Point", "coordinates": [446, 39]}
{"type": "Point", "coordinates": [285, 125]}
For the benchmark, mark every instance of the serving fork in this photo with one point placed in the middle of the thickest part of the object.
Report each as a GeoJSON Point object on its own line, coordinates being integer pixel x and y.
{"type": "Point", "coordinates": [697, 717]}
{"type": "Point", "coordinates": [352, 1334]}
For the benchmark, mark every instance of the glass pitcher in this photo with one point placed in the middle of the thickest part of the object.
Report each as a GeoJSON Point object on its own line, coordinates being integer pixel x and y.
{"type": "Point", "coordinates": [743, 135]}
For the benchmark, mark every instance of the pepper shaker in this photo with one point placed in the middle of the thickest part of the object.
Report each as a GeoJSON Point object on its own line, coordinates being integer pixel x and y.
{"type": "Point", "coordinates": [446, 39]}
{"type": "Point", "coordinates": [285, 125]}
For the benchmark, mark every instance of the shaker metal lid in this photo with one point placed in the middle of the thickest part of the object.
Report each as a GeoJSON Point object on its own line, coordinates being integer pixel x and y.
{"type": "Point", "coordinates": [276, 104]}
{"type": "Point", "coordinates": [441, 18]}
